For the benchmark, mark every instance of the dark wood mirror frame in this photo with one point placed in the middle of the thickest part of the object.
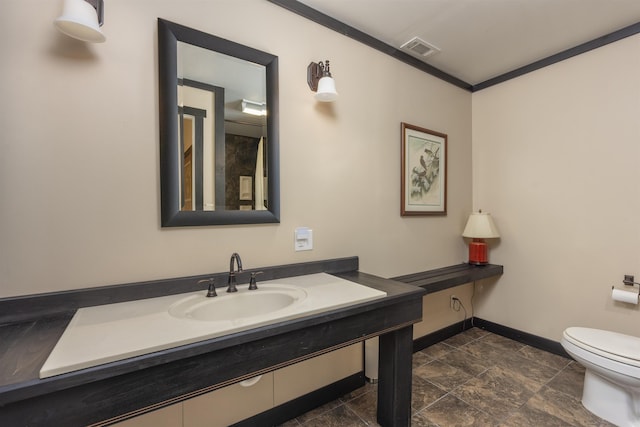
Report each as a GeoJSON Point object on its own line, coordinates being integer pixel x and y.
{"type": "Point", "coordinates": [169, 34]}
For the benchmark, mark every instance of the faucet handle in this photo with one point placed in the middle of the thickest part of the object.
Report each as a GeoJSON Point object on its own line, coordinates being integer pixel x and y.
{"type": "Point", "coordinates": [252, 282]}
{"type": "Point", "coordinates": [211, 291]}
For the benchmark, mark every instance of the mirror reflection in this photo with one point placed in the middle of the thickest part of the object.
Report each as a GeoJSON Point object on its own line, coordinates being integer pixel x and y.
{"type": "Point", "coordinates": [219, 148]}
{"type": "Point", "coordinates": [223, 106]}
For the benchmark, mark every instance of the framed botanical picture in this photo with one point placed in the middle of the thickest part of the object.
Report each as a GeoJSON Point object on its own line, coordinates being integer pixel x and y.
{"type": "Point", "coordinates": [424, 172]}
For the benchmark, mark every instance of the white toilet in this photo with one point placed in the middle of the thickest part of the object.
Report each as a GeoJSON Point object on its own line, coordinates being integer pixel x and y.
{"type": "Point", "coordinates": [612, 377]}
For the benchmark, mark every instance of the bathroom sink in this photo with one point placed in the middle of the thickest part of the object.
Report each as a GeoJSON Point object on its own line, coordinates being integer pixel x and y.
{"type": "Point", "coordinates": [268, 299]}
{"type": "Point", "coordinates": [107, 333]}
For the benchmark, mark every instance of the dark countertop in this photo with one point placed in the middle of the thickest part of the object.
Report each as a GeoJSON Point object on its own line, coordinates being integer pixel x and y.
{"type": "Point", "coordinates": [447, 277]}
{"type": "Point", "coordinates": [27, 344]}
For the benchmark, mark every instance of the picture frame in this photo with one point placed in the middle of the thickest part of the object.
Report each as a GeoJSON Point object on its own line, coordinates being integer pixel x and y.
{"type": "Point", "coordinates": [424, 171]}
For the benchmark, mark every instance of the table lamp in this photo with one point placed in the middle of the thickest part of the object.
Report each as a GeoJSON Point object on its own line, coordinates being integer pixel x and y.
{"type": "Point", "coordinates": [480, 226]}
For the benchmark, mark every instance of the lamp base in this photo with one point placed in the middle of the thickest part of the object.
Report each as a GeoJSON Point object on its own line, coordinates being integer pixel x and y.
{"type": "Point", "coordinates": [478, 252]}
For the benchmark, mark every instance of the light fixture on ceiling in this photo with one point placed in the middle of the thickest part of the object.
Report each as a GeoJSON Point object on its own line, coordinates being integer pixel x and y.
{"type": "Point", "coordinates": [480, 226]}
{"type": "Point", "coordinates": [320, 81]}
{"type": "Point", "coordinates": [254, 108]}
{"type": "Point", "coordinates": [82, 19]}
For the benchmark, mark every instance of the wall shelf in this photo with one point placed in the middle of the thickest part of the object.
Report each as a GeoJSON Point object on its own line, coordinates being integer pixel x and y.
{"type": "Point", "coordinates": [448, 277]}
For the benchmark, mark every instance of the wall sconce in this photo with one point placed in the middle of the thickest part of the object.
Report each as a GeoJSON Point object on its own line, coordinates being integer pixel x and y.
{"type": "Point", "coordinates": [480, 226]}
{"type": "Point", "coordinates": [320, 81]}
{"type": "Point", "coordinates": [254, 108]}
{"type": "Point", "coordinates": [82, 19]}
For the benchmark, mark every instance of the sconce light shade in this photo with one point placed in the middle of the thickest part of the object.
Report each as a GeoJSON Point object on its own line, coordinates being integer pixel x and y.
{"type": "Point", "coordinates": [81, 19]}
{"type": "Point", "coordinates": [320, 81]}
{"type": "Point", "coordinates": [480, 226]}
{"type": "Point", "coordinates": [326, 90]}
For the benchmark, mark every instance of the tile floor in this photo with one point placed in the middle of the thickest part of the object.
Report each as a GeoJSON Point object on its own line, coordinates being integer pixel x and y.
{"type": "Point", "coordinates": [475, 378]}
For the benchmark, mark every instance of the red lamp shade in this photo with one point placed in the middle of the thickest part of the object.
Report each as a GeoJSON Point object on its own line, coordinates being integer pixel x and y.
{"type": "Point", "coordinates": [480, 226]}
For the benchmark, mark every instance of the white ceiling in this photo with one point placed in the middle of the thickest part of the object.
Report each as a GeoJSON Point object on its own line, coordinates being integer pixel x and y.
{"type": "Point", "coordinates": [482, 39]}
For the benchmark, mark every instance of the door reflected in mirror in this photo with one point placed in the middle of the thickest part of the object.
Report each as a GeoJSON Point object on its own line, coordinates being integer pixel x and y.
{"type": "Point", "coordinates": [223, 130]}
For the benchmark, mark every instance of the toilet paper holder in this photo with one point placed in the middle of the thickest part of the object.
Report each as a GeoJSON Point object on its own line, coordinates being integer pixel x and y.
{"type": "Point", "coordinates": [626, 295]}
{"type": "Point", "coordinates": [629, 280]}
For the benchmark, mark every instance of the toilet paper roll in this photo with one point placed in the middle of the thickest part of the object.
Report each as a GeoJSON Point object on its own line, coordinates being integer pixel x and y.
{"type": "Point", "coordinates": [622, 295]}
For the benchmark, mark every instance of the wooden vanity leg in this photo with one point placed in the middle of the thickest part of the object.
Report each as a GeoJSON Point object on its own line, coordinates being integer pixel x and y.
{"type": "Point", "coordinates": [394, 378]}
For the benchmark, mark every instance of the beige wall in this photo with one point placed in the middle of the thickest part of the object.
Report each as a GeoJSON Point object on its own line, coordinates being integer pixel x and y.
{"type": "Point", "coordinates": [555, 160]}
{"type": "Point", "coordinates": [79, 185]}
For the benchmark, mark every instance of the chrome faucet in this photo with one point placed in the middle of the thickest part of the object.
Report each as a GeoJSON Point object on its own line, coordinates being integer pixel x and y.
{"type": "Point", "coordinates": [232, 273]}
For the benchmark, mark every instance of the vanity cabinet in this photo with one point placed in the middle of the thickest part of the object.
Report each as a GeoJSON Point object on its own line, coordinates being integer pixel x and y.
{"type": "Point", "coordinates": [30, 326]}
{"type": "Point", "coordinates": [242, 400]}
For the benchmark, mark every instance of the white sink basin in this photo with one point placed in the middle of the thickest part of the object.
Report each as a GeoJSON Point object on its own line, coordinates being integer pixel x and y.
{"type": "Point", "coordinates": [112, 332]}
{"type": "Point", "coordinates": [267, 300]}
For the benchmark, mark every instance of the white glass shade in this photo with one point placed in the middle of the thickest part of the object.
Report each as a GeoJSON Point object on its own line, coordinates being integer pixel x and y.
{"type": "Point", "coordinates": [480, 226]}
{"type": "Point", "coordinates": [326, 90]}
{"type": "Point", "coordinates": [80, 21]}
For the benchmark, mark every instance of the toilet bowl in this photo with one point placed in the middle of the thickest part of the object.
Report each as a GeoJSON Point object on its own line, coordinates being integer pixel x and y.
{"type": "Point", "coordinates": [612, 373]}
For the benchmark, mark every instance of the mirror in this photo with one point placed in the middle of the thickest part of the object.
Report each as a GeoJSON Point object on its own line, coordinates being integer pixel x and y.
{"type": "Point", "coordinates": [219, 151]}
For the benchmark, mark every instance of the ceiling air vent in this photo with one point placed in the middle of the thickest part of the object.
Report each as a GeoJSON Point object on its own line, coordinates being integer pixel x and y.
{"type": "Point", "coordinates": [417, 46]}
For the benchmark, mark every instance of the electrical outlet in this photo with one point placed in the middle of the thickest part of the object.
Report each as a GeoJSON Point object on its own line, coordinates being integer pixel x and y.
{"type": "Point", "coordinates": [452, 301]}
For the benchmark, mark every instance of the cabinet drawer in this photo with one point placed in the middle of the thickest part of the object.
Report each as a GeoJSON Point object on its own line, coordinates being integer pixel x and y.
{"type": "Point", "coordinates": [230, 404]}
{"type": "Point", "coordinates": [304, 377]}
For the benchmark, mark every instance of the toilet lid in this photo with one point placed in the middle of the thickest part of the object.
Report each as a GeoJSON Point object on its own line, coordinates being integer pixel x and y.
{"type": "Point", "coordinates": [613, 345]}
